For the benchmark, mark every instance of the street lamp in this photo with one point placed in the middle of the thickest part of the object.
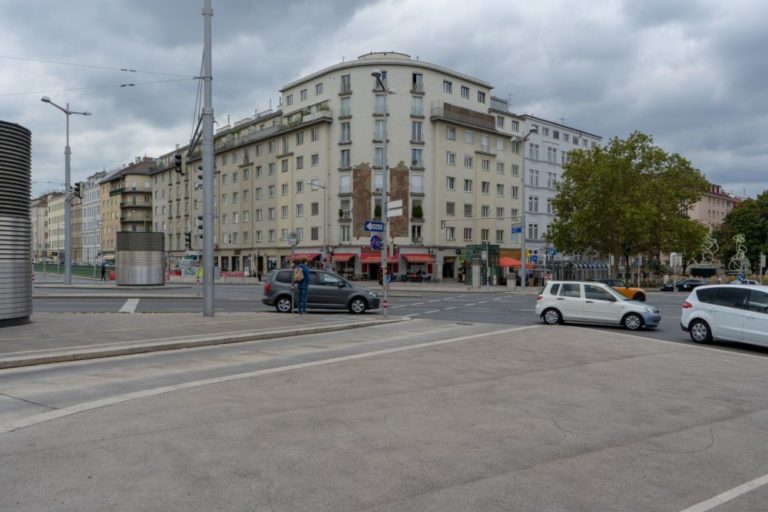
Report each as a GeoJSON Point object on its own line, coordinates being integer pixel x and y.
{"type": "Point", "coordinates": [523, 258]}
{"type": "Point", "coordinates": [67, 193]}
{"type": "Point", "coordinates": [315, 184]}
{"type": "Point", "coordinates": [377, 74]}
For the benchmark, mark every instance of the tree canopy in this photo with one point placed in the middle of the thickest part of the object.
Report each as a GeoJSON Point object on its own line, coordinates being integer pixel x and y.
{"type": "Point", "coordinates": [629, 197]}
{"type": "Point", "coordinates": [749, 218]}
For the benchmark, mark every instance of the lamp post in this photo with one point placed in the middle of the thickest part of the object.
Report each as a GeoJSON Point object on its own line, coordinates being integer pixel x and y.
{"type": "Point", "coordinates": [377, 74]}
{"type": "Point", "coordinates": [315, 184]}
{"type": "Point", "coordinates": [67, 193]}
{"type": "Point", "coordinates": [523, 258]}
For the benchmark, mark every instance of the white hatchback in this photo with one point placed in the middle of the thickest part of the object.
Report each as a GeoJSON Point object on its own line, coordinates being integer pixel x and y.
{"type": "Point", "coordinates": [731, 312]}
{"type": "Point", "coordinates": [593, 302]}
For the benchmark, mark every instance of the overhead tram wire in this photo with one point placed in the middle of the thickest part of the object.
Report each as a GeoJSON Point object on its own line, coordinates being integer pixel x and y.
{"type": "Point", "coordinates": [131, 84]}
{"type": "Point", "coordinates": [94, 66]}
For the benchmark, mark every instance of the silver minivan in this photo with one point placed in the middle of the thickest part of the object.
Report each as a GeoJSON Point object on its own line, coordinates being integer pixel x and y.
{"type": "Point", "coordinates": [326, 291]}
{"type": "Point", "coordinates": [731, 312]}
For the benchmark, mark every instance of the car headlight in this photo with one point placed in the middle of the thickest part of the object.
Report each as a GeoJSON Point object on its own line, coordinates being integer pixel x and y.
{"type": "Point", "coordinates": [372, 294]}
{"type": "Point", "coordinates": [651, 310]}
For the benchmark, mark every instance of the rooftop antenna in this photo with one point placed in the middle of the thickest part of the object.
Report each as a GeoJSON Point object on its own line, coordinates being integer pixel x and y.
{"type": "Point", "coordinates": [562, 119]}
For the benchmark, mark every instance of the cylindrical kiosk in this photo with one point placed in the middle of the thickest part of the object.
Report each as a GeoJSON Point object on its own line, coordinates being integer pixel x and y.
{"type": "Point", "coordinates": [140, 259]}
{"type": "Point", "coordinates": [15, 224]}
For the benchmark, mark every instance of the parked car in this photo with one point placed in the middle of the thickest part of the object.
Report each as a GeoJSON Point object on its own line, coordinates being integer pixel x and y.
{"type": "Point", "coordinates": [669, 286]}
{"type": "Point", "coordinates": [326, 291]}
{"type": "Point", "coordinates": [727, 312]}
{"type": "Point", "coordinates": [746, 281]}
{"type": "Point", "coordinates": [621, 286]}
{"type": "Point", "coordinates": [592, 302]}
{"type": "Point", "coordinates": [687, 285]}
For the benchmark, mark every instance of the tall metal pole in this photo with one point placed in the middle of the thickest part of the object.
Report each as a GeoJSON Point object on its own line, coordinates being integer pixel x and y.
{"type": "Point", "coordinates": [67, 210]}
{"type": "Point", "coordinates": [384, 196]}
{"type": "Point", "coordinates": [523, 258]}
{"type": "Point", "coordinates": [207, 158]}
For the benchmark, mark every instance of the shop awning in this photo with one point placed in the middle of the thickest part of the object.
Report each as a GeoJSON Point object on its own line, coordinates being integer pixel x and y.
{"type": "Point", "coordinates": [298, 256]}
{"type": "Point", "coordinates": [419, 258]}
{"type": "Point", "coordinates": [341, 258]}
{"type": "Point", "coordinates": [506, 261]}
{"type": "Point", "coordinates": [372, 257]}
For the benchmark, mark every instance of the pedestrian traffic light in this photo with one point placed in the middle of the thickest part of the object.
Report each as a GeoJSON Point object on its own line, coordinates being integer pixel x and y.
{"type": "Point", "coordinates": [77, 190]}
{"type": "Point", "coordinates": [177, 163]}
{"type": "Point", "coordinates": [188, 239]}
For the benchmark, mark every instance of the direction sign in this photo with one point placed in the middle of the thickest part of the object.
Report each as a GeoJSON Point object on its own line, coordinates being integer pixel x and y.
{"type": "Point", "coordinates": [552, 251]}
{"type": "Point", "coordinates": [535, 258]}
{"type": "Point", "coordinates": [517, 229]}
{"type": "Point", "coordinates": [375, 243]}
{"type": "Point", "coordinates": [293, 238]}
{"type": "Point", "coordinates": [374, 225]}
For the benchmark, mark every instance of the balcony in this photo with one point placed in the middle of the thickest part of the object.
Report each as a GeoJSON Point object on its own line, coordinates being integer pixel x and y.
{"type": "Point", "coordinates": [128, 204]}
{"type": "Point", "coordinates": [464, 116]}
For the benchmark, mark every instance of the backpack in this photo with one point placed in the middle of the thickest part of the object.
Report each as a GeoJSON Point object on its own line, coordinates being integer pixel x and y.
{"type": "Point", "coordinates": [298, 274]}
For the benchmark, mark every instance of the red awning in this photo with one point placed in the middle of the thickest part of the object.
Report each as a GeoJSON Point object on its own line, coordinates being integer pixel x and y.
{"type": "Point", "coordinates": [298, 256]}
{"type": "Point", "coordinates": [419, 258]}
{"type": "Point", "coordinates": [506, 261]}
{"type": "Point", "coordinates": [343, 257]}
{"type": "Point", "coordinates": [372, 257]}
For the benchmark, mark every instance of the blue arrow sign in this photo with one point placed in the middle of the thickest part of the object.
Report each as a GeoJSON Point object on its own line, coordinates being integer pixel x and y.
{"type": "Point", "coordinates": [373, 225]}
{"type": "Point", "coordinates": [517, 229]}
{"type": "Point", "coordinates": [552, 251]}
{"type": "Point", "coordinates": [535, 258]}
{"type": "Point", "coordinates": [375, 243]}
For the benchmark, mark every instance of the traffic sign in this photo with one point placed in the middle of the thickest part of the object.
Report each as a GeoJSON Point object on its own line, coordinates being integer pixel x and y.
{"type": "Point", "coordinates": [517, 230]}
{"type": "Point", "coordinates": [293, 238]}
{"type": "Point", "coordinates": [374, 226]}
{"type": "Point", "coordinates": [552, 251]}
{"type": "Point", "coordinates": [375, 242]}
{"type": "Point", "coordinates": [535, 258]}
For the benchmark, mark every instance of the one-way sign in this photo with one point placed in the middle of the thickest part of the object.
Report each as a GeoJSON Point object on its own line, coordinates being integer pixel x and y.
{"type": "Point", "coordinates": [373, 225]}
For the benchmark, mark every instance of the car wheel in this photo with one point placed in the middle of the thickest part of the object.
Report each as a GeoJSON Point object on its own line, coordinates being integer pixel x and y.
{"type": "Point", "coordinates": [700, 331]}
{"type": "Point", "coordinates": [639, 296]}
{"type": "Point", "coordinates": [551, 317]}
{"type": "Point", "coordinates": [284, 304]}
{"type": "Point", "coordinates": [632, 322]}
{"type": "Point", "coordinates": [358, 305]}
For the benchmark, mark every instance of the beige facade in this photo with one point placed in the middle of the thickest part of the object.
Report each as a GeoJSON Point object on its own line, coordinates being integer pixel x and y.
{"type": "Point", "coordinates": [713, 206]}
{"type": "Point", "coordinates": [39, 216]}
{"type": "Point", "coordinates": [56, 226]}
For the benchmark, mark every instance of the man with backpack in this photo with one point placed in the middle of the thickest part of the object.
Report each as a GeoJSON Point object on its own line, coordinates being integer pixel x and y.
{"type": "Point", "coordinates": [301, 280]}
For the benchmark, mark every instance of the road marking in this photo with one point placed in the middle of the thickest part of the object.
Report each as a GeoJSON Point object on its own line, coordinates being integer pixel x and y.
{"type": "Point", "coordinates": [470, 304]}
{"type": "Point", "coordinates": [436, 300]}
{"type": "Point", "coordinates": [499, 298]}
{"type": "Point", "coordinates": [430, 312]}
{"type": "Point", "coordinates": [728, 495]}
{"type": "Point", "coordinates": [482, 302]}
{"type": "Point", "coordinates": [105, 402]}
{"type": "Point", "coordinates": [417, 304]}
{"type": "Point", "coordinates": [129, 306]}
{"type": "Point", "coordinates": [451, 307]}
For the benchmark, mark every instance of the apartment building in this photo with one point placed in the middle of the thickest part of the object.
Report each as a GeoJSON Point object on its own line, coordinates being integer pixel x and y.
{"type": "Point", "coordinates": [91, 218]}
{"type": "Point", "coordinates": [713, 206]}
{"type": "Point", "coordinates": [38, 212]}
{"type": "Point", "coordinates": [545, 154]}
{"type": "Point", "coordinates": [55, 212]}
{"type": "Point", "coordinates": [316, 167]}
{"type": "Point", "coordinates": [125, 198]}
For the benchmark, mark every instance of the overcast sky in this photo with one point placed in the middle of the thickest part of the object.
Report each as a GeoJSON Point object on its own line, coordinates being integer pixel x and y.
{"type": "Point", "coordinates": [691, 73]}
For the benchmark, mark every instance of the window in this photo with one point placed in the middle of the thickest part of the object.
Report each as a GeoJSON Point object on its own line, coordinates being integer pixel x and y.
{"type": "Point", "coordinates": [450, 234]}
{"type": "Point", "coordinates": [346, 107]}
{"type": "Point", "coordinates": [345, 184]}
{"type": "Point", "coordinates": [500, 189]}
{"type": "Point", "coordinates": [314, 134]}
{"type": "Point", "coordinates": [315, 235]}
{"type": "Point", "coordinates": [235, 218]}
{"type": "Point", "coordinates": [303, 94]}
{"type": "Point", "coordinates": [499, 121]}
{"type": "Point", "coordinates": [314, 209]}
{"type": "Point", "coordinates": [499, 144]}
{"type": "Point", "coordinates": [246, 215]}
{"type": "Point", "coordinates": [299, 162]}
{"type": "Point", "coordinates": [257, 194]}
{"type": "Point", "coordinates": [346, 84]}
{"type": "Point", "coordinates": [416, 160]}
{"type": "Point", "coordinates": [593, 292]}
{"type": "Point", "coordinates": [284, 189]}
{"type": "Point", "coordinates": [515, 170]}
{"type": "Point", "coordinates": [224, 179]}
{"type": "Point", "coordinates": [447, 87]}
{"type": "Point", "coordinates": [450, 158]}
{"type": "Point", "coordinates": [344, 232]}
{"type": "Point", "coordinates": [546, 132]}
{"type": "Point", "coordinates": [565, 137]}
{"type": "Point", "coordinates": [271, 171]}
{"type": "Point", "coordinates": [467, 185]}
{"type": "Point", "coordinates": [469, 137]}
{"type": "Point", "coordinates": [485, 187]}
{"type": "Point", "coordinates": [271, 235]}
{"type": "Point", "coordinates": [284, 212]}
{"type": "Point", "coordinates": [315, 159]}
{"type": "Point", "coordinates": [271, 145]}
{"type": "Point", "coordinates": [346, 132]}
{"type": "Point", "coordinates": [514, 213]}
{"type": "Point", "coordinates": [417, 82]}
{"type": "Point", "coordinates": [551, 180]}
{"type": "Point", "coordinates": [550, 209]}
{"type": "Point", "coordinates": [284, 165]}
{"type": "Point", "coordinates": [271, 214]}
{"type": "Point", "coordinates": [258, 171]}
{"type": "Point", "coordinates": [555, 134]}
{"type": "Point", "coordinates": [533, 231]}
{"type": "Point", "coordinates": [468, 164]}
{"type": "Point", "coordinates": [552, 155]}
{"type": "Point", "coordinates": [484, 234]}
{"type": "Point", "coordinates": [480, 96]}
{"type": "Point", "coordinates": [533, 151]}
{"type": "Point", "coordinates": [500, 168]}
{"type": "Point", "coordinates": [224, 218]}
{"type": "Point", "coordinates": [450, 132]}
{"type": "Point", "coordinates": [234, 177]}
{"type": "Point", "coordinates": [416, 131]}
{"type": "Point", "coordinates": [450, 183]}
{"type": "Point", "coordinates": [345, 161]}
{"type": "Point", "coordinates": [224, 199]}
{"type": "Point", "coordinates": [283, 234]}
{"type": "Point", "coordinates": [485, 211]}
{"type": "Point", "coordinates": [485, 164]}
{"type": "Point", "coordinates": [468, 210]}
{"type": "Point", "coordinates": [378, 157]}
{"type": "Point", "coordinates": [499, 236]}
{"type": "Point", "coordinates": [417, 106]}
{"type": "Point", "coordinates": [450, 209]}
{"type": "Point", "coordinates": [533, 178]}
{"type": "Point", "coordinates": [417, 183]}
{"type": "Point", "coordinates": [319, 89]}
{"type": "Point", "coordinates": [246, 174]}
{"type": "Point", "coordinates": [378, 181]}
{"type": "Point", "coordinates": [271, 190]}
{"type": "Point", "coordinates": [299, 138]}
{"type": "Point", "coordinates": [299, 187]}
{"type": "Point", "coordinates": [464, 91]}
{"type": "Point", "coordinates": [299, 210]}
{"type": "Point", "coordinates": [379, 106]}
{"type": "Point", "coordinates": [515, 192]}
{"type": "Point", "coordinates": [533, 204]}
{"type": "Point", "coordinates": [378, 129]}
{"type": "Point", "coordinates": [234, 197]}
{"type": "Point", "coordinates": [499, 212]}
{"type": "Point", "coordinates": [467, 234]}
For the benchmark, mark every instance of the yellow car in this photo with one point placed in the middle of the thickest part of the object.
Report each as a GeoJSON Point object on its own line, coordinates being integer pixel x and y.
{"type": "Point", "coordinates": [620, 286]}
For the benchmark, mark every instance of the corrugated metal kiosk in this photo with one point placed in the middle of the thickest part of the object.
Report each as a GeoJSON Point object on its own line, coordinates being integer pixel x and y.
{"type": "Point", "coordinates": [140, 259]}
{"type": "Point", "coordinates": [15, 224]}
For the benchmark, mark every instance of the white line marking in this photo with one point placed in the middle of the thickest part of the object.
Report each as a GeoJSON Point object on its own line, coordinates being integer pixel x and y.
{"type": "Point", "coordinates": [482, 302]}
{"type": "Point", "coordinates": [451, 307]}
{"type": "Point", "coordinates": [129, 306]}
{"type": "Point", "coordinates": [417, 304]}
{"type": "Point", "coordinates": [499, 298]}
{"type": "Point", "coordinates": [105, 402]}
{"type": "Point", "coordinates": [436, 300]}
{"type": "Point", "coordinates": [470, 304]}
{"type": "Point", "coordinates": [430, 312]}
{"type": "Point", "coordinates": [728, 495]}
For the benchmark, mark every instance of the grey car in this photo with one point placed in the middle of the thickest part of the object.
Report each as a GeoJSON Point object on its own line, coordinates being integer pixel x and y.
{"type": "Point", "coordinates": [326, 291]}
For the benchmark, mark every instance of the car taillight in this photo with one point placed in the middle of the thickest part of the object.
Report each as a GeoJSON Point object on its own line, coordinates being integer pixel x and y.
{"type": "Point", "coordinates": [539, 297]}
{"type": "Point", "coordinates": [687, 305]}
{"type": "Point", "coordinates": [267, 288]}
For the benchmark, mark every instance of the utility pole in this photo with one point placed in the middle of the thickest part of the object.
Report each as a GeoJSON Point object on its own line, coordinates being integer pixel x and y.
{"type": "Point", "coordinates": [376, 73]}
{"type": "Point", "coordinates": [207, 158]}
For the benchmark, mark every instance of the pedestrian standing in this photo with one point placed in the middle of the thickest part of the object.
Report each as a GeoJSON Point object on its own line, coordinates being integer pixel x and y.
{"type": "Point", "coordinates": [303, 285]}
{"type": "Point", "coordinates": [103, 270]}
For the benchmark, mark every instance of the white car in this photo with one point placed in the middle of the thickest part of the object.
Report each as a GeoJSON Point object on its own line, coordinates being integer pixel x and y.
{"type": "Point", "coordinates": [731, 312]}
{"type": "Point", "coordinates": [592, 302]}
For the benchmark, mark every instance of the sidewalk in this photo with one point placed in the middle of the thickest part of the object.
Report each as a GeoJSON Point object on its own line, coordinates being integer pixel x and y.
{"type": "Point", "coordinates": [59, 337]}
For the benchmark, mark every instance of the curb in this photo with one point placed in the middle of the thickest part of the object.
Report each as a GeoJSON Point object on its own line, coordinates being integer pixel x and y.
{"type": "Point", "coordinates": [131, 348]}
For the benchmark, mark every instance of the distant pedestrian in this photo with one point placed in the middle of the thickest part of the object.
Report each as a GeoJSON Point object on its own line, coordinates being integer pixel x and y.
{"type": "Point", "coordinates": [103, 270]}
{"type": "Point", "coordinates": [303, 285]}
{"type": "Point", "coordinates": [199, 273]}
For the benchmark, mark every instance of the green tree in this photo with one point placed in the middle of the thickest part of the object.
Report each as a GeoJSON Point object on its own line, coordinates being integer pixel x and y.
{"type": "Point", "coordinates": [629, 197]}
{"type": "Point", "coordinates": [750, 217]}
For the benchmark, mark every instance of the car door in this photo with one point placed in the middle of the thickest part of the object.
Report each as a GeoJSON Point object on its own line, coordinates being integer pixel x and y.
{"type": "Point", "coordinates": [756, 323]}
{"type": "Point", "coordinates": [570, 301]}
{"type": "Point", "coordinates": [729, 312]}
{"type": "Point", "coordinates": [330, 290]}
{"type": "Point", "coordinates": [600, 305]}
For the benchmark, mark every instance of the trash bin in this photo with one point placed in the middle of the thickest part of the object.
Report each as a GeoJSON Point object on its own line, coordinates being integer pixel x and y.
{"type": "Point", "coordinates": [512, 281]}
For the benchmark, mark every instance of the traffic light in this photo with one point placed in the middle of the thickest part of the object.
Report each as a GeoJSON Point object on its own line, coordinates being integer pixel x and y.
{"type": "Point", "coordinates": [177, 163]}
{"type": "Point", "coordinates": [77, 190]}
{"type": "Point", "coordinates": [188, 239]}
